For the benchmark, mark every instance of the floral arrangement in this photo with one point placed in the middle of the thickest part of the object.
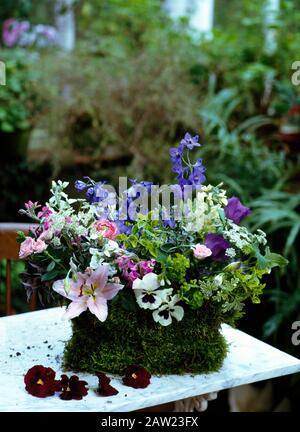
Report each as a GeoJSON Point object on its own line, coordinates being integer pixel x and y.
{"type": "Point", "coordinates": [166, 266]}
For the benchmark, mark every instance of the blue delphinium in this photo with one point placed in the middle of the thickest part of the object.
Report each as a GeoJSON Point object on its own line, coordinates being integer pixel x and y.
{"type": "Point", "coordinates": [95, 192]}
{"type": "Point", "coordinates": [190, 142]}
{"type": "Point", "coordinates": [187, 173]}
{"type": "Point", "coordinates": [80, 185]}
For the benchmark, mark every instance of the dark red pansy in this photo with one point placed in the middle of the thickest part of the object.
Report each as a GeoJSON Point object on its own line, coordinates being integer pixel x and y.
{"type": "Point", "coordinates": [105, 389]}
{"type": "Point", "coordinates": [72, 388]}
{"type": "Point", "coordinates": [136, 377]}
{"type": "Point", "coordinates": [40, 381]}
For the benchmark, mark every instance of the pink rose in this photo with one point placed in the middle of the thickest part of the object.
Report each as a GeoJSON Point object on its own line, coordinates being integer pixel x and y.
{"type": "Point", "coordinates": [29, 246]}
{"type": "Point", "coordinates": [201, 251]}
{"type": "Point", "coordinates": [26, 248]}
{"type": "Point", "coordinates": [39, 246]}
{"type": "Point", "coordinates": [108, 229]}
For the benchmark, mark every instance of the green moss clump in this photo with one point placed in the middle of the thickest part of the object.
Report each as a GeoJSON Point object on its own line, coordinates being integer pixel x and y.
{"type": "Point", "coordinates": [193, 345]}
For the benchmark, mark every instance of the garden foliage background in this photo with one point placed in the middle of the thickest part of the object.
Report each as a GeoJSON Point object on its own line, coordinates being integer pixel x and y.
{"type": "Point", "coordinates": [134, 84]}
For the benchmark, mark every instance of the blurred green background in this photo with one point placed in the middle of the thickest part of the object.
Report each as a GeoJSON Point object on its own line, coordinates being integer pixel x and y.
{"type": "Point", "coordinates": [121, 82]}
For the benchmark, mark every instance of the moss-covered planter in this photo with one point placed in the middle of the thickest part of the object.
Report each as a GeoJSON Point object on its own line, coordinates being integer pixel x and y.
{"type": "Point", "coordinates": [193, 345]}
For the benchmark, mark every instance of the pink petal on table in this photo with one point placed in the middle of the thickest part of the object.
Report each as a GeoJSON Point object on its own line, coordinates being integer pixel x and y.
{"type": "Point", "coordinates": [98, 307]}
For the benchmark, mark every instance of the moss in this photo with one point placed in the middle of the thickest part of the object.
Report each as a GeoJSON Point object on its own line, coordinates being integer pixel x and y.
{"type": "Point", "coordinates": [193, 345]}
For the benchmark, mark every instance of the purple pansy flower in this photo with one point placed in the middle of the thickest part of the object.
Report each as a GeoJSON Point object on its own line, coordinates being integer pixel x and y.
{"type": "Point", "coordinates": [235, 210]}
{"type": "Point", "coordinates": [218, 245]}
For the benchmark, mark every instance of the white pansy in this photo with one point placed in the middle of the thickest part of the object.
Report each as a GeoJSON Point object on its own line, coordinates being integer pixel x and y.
{"type": "Point", "coordinates": [148, 293]}
{"type": "Point", "coordinates": [167, 311]}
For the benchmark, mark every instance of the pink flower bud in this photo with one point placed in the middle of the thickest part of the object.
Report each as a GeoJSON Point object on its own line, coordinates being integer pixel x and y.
{"type": "Point", "coordinates": [201, 251]}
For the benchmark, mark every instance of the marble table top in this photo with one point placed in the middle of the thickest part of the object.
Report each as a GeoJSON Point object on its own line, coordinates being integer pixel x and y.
{"type": "Point", "coordinates": [38, 338]}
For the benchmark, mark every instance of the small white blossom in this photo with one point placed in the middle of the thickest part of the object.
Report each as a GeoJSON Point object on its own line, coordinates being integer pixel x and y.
{"type": "Point", "coordinates": [230, 252]}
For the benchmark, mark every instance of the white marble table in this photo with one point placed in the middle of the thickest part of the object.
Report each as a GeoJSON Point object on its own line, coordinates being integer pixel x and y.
{"type": "Point", "coordinates": [38, 338]}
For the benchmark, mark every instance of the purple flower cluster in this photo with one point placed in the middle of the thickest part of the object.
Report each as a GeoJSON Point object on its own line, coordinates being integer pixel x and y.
{"type": "Point", "coordinates": [95, 192]}
{"type": "Point", "coordinates": [188, 174]}
{"type": "Point", "coordinates": [133, 193]}
{"type": "Point", "coordinates": [22, 33]}
{"type": "Point", "coordinates": [132, 270]}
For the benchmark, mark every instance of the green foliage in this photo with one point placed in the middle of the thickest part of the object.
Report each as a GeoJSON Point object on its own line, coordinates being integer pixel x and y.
{"type": "Point", "coordinates": [176, 268]}
{"type": "Point", "coordinates": [19, 304]}
{"type": "Point", "coordinates": [191, 294]}
{"type": "Point", "coordinates": [194, 345]}
{"type": "Point", "coordinates": [122, 27]}
{"type": "Point", "coordinates": [146, 237]}
{"type": "Point", "coordinates": [227, 290]}
{"type": "Point", "coordinates": [19, 103]}
{"type": "Point", "coordinates": [278, 213]}
{"type": "Point", "coordinates": [15, 8]}
{"type": "Point", "coordinates": [117, 118]}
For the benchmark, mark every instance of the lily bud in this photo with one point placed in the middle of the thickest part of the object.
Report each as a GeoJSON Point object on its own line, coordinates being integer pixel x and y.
{"type": "Point", "coordinates": [232, 266]}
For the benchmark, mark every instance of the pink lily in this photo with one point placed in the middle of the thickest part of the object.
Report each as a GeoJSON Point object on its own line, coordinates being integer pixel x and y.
{"type": "Point", "coordinates": [90, 291]}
